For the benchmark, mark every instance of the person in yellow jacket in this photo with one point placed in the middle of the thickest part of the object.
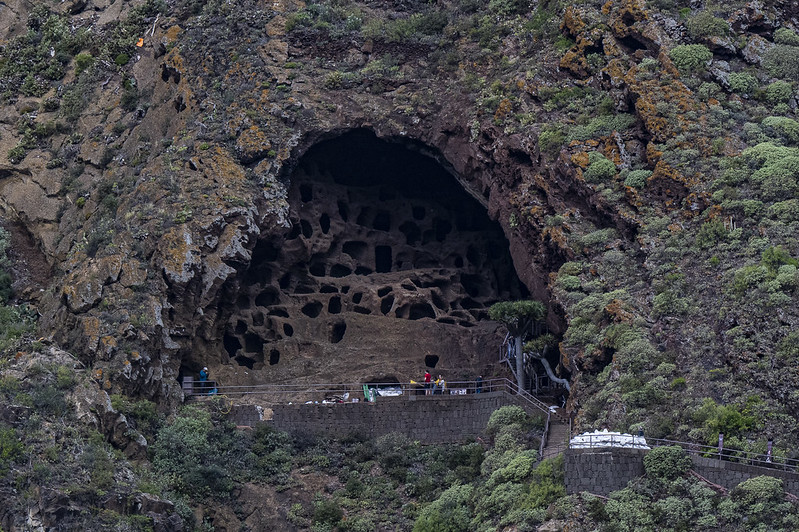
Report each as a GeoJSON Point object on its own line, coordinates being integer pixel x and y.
{"type": "Point", "coordinates": [440, 384]}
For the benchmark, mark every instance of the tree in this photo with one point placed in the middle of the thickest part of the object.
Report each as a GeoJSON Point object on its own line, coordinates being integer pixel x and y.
{"type": "Point", "coordinates": [535, 349]}
{"type": "Point", "coordinates": [519, 318]}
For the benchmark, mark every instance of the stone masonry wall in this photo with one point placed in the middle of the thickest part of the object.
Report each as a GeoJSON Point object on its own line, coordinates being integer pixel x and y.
{"type": "Point", "coordinates": [430, 419]}
{"type": "Point", "coordinates": [602, 470]}
{"type": "Point", "coordinates": [730, 474]}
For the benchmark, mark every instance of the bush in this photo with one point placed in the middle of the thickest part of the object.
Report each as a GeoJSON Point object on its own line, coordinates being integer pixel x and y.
{"type": "Point", "coordinates": [786, 211]}
{"type": "Point", "coordinates": [666, 463]}
{"type": "Point", "coordinates": [781, 127]}
{"type": "Point", "coordinates": [17, 154]}
{"type": "Point", "coordinates": [637, 178]}
{"type": "Point", "coordinates": [122, 59]}
{"type": "Point", "coordinates": [599, 168]}
{"type": "Point", "coordinates": [758, 490]}
{"type": "Point", "coordinates": [518, 469]}
{"type": "Point", "coordinates": [786, 36]}
{"type": "Point", "coordinates": [782, 61]}
{"type": "Point", "coordinates": [690, 58]}
{"type": "Point", "coordinates": [82, 62]}
{"type": "Point", "coordinates": [328, 512]}
{"type": "Point", "coordinates": [10, 448]}
{"type": "Point", "coordinates": [704, 24]}
{"type": "Point", "coordinates": [779, 92]}
{"type": "Point", "coordinates": [551, 139]}
{"type": "Point", "coordinates": [504, 416]}
{"type": "Point", "coordinates": [601, 126]}
{"type": "Point", "coordinates": [506, 8]}
{"type": "Point", "coordinates": [451, 512]}
{"type": "Point", "coordinates": [742, 82]}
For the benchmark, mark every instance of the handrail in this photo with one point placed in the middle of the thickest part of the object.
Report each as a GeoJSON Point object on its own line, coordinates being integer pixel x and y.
{"type": "Point", "coordinates": [732, 455]}
{"type": "Point", "coordinates": [322, 391]}
{"type": "Point", "coordinates": [544, 437]}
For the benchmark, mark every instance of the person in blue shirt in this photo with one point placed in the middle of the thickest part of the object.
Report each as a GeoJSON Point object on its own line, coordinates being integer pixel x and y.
{"type": "Point", "coordinates": [203, 380]}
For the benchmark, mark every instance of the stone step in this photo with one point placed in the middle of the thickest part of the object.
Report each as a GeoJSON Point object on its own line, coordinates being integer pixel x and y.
{"type": "Point", "coordinates": [558, 437]}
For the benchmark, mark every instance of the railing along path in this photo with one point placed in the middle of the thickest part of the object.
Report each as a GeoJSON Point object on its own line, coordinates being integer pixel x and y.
{"type": "Point", "coordinates": [771, 461]}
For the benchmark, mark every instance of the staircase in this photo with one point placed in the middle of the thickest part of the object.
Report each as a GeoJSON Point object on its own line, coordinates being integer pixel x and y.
{"type": "Point", "coordinates": [557, 441]}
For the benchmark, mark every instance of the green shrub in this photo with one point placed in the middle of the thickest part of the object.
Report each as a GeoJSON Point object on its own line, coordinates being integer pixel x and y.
{"type": "Point", "coordinates": [779, 92]}
{"type": "Point", "coordinates": [83, 61]}
{"type": "Point", "coordinates": [689, 58]}
{"type": "Point", "coordinates": [334, 80]}
{"type": "Point", "coordinates": [627, 510]}
{"type": "Point", "coordinates": [781, 127]}
{"type": "Point", "coordinates": [328, 512]}
{"type": "Point", "coordinates": [786, 36]}
{"type": "Point", "coordinates": [666, 463]}
{"type": "Point", "coordinates": [547, 483]}
{"type": "Point", "coordinates": [762, 490]}
{"type": "Point", "coordinates": [551, 139]}
{"type": "Point", "coordinates": [704, 24]}
{"type": "Point", "coordinates": [17, 154]}
{"type": "Point", "coordinates": [788, 347]}
{"type": "Point", "coordinates": [601, 126]}
{"type": "Point", "coordinates": [782, 61]}
{"type": "Point", "coordinates": [668, 303]}
{"type": "Point", "coordinates": [65, 377]}
{"type": "Point", "coordinates": [451, 512]}
{"type": "Point", "coordinates": [569, 283]}
{"type": "Point", "coordinates": [504, 416]}
{"type": "Point", "coordinates": [122, 59]}
{"type": "Point", "coordinates": [506, 8]}
{"type": "Point", "coordinates": [11, 448]}
{"type": "Point", "coordinates": [518, 469]}
{"type": "Point", "coordinates": [273, 451]}
{"type": "Point", "coordinates": [599, 168]}
{"type": "Point", "coordinates": [637, 178]}
{"type": "Point", "coordinates": [774, 257]}
{"type": "Point", "coordinates": [727, 419]}
{"type": "Point", "coordinates": [743, 82]}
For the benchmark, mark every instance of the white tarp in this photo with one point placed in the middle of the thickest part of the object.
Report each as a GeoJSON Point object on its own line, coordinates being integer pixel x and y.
{"type": "Point", "coordinates": [389, 392]}
{"type": "Point", "coordinates": [588, 440]}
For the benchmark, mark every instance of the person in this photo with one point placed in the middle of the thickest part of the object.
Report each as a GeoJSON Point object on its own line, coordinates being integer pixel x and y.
{"type": "Point", "coordinates": [438, 386]}
{"type": "Point", "coordinates": [427, 379]}
{"type": "Point", "coordinates": [479, 384]}
{"type": "Point", "coordinates": [203, 379]}
{"type": "Point", "coordinates": [442, 383]}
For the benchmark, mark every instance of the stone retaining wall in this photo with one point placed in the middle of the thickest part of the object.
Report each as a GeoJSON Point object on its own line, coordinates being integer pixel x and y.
{"type": "Point", "coordinates": [430, 419]}
{"type": "Point", "coordinates": [602, 470]}
{"type": "Point", "coordinates": [730, 474]}
{"type": "Point", "coordinates": [607, 469]}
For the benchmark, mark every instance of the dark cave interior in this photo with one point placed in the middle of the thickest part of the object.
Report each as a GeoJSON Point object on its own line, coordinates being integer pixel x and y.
{"type": "Point", "coordinates": [386, 250]}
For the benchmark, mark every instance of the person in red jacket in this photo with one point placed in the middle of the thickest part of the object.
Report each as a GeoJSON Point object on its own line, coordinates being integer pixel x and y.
{"type": "Point", "coordinates": [427, 379]}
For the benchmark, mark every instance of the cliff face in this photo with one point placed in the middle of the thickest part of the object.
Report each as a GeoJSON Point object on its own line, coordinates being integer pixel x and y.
{"type": "Point", "coordinates": [218, 185]}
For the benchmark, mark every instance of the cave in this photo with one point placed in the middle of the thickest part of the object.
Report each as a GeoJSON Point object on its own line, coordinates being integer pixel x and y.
{"type": "Point", "coordinates": [388, 264]}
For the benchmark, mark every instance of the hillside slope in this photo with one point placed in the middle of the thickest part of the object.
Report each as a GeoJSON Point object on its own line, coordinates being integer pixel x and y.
{"type": "Point", "coordinates": [633, 164]}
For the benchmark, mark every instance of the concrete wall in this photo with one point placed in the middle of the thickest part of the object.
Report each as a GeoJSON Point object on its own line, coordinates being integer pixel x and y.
{"type": "Point", "coordinates": [431, 419]}
{"type": "Point", "coordinates": [602, 470]}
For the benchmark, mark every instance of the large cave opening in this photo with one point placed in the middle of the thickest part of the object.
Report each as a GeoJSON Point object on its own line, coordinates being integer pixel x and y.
{"type": "Point", "coordinates": [389, 267]}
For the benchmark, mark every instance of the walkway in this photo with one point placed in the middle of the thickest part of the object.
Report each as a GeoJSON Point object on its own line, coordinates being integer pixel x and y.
{"type": "Point", "coordinates": [460, 410]}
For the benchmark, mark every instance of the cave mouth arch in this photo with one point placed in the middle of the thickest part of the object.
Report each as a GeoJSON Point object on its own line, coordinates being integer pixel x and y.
{"type": "Point", "coordinates": [388, 260]}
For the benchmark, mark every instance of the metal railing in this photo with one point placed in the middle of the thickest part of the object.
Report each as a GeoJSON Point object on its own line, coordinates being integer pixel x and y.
{"type": "Point", "coordinates": [346, 392]}
{"type": "Point", "coordinates": [772, 461]}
